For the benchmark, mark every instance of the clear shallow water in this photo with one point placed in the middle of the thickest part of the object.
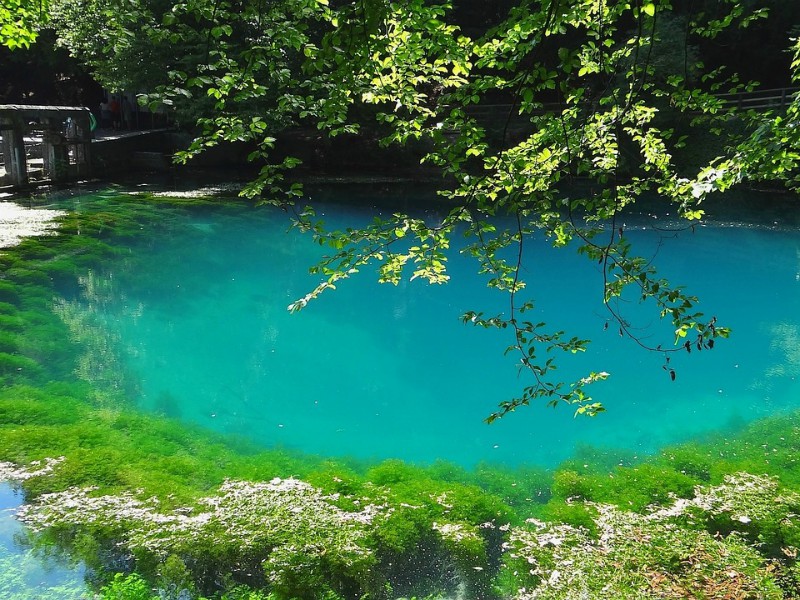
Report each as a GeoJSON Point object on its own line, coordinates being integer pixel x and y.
{"type": "Point", "coordinates": [198, 319]}
{"type": "Point", "coordinates": [26, 574]}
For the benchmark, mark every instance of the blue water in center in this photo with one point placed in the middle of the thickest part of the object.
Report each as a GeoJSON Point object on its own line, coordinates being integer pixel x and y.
{"type": "Point", "coordinates": [199, 319]}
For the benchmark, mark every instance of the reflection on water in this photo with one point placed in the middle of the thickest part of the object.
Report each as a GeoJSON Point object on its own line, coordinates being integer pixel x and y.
{"type": "Point", "coordinates": [198, 318]}
{"type": "Point", "coordinates": [27, 574]}
{"type": "Point", "coordinates": [18, 222]}
{"type": "Point", "coordinates": [786, 349]}
{"type": "Point", "coordinates": [99, 362]}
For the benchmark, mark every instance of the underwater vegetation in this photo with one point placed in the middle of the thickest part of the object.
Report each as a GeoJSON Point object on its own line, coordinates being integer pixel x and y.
{"type": "Point", "coordinates": [156, 508]}
{"type": "Point", "coordinates": [395, 530]}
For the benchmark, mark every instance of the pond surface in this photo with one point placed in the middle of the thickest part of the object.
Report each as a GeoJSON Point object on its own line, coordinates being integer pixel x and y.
{"type": "Point", "coordinates": [196, 320]}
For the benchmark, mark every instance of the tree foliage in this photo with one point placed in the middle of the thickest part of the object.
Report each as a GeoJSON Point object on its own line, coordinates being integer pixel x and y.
{"type": "Point", "coordinates": [19, 20]}
{"type": "Point", "coordinates": [610, 93]}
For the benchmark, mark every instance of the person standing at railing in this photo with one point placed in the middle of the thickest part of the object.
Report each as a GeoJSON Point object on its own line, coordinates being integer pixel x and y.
{"type": "Point", "coordinates": [116, 113]}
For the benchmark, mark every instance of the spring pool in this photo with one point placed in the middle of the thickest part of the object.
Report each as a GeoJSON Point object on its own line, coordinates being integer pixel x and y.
{"type": "Point", "coordinates": [193, 320]}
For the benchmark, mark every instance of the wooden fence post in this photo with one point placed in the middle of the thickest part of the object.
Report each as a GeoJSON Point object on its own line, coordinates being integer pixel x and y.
{"type": "Point", "coordinates": [14, 151]}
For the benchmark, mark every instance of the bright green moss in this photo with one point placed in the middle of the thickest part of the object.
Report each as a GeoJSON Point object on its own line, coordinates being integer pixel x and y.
{"type": "Point", "coordinates": [9, 293]}
{"type": "Point", "coordinates": [338, 479]}
{"type": "Point", "coordinates": [521, 488]}
{"type": "Point", "coordinates": [9, 342]}
{"type": "Point", "coordinates": [35, 249]}
{"type": "Point", "coordinates": [29, 276]}
{"type": "Point", "coordinates": [49, 405]}
{"type": "Point", "coordinates": [11, 323]}
{"type": "Point", "coordinates": [658, 555]}
{"type": "Point", "coordinates": [7, 308]}
{"type": "Point", "coordinates": [127, 587]}
{"type": "Point", "coordinates": [14, 367]}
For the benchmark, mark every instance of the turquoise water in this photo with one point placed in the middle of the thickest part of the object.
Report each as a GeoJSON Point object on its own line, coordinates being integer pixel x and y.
{"type": "Point", "coordinates": [198, 320]}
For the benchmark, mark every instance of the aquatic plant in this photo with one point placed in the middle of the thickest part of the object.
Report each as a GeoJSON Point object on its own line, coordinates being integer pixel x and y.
{"type": "Point", "coordinates": [427, 522]}
{"type": "Point", "coordinates": [756, 509]}
{"type": "Point", "coordinates": [522, 488]}
{"type": "Point", "coordinates": [665, 553]}
{"type": "Point", "coordinates": [127, 587]}
{"type": "Point", "coordinates": [292, 537]}
{"type": "Point", "coordinates": [300, 541]}
{"type": "Point", "coordinates": [738, 538]}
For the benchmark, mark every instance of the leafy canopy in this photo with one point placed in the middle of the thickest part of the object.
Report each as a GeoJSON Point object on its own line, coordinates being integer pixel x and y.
{"type": "Point", "coordinates": [19, 20]}
{"type": "Point", "coordinates": [609, 93]}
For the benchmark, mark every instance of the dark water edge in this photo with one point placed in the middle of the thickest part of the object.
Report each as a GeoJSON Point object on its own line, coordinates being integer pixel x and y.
{"type": "Point", "coordinates": [763, 204]}
{"type": "Point", "coordinates": [156, 454]}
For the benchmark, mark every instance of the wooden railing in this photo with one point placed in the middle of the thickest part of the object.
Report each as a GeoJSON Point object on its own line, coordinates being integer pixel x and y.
{"type": "Point", "coordinates": [777, 98]}
{"type": "Point", "coordinates": [771, 99]}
